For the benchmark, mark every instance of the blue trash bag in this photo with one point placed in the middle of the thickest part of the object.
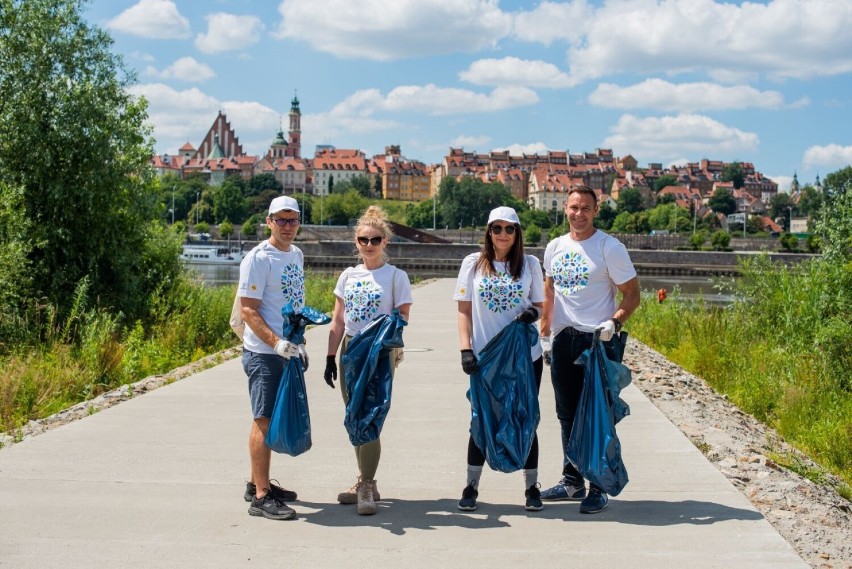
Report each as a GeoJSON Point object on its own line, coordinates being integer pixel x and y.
{"type": "Point", "coordinates": [369, 376]}
{"type": "Point", "coordinates": [503, 398]}
{"type": "Point", "coordinates": [594, 447]}
{"type": "Point", "coordinates": [290, 425]}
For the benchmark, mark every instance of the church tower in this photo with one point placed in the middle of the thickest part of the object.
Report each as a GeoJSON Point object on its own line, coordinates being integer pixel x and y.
{"type": "Point", "coordinates": [295, 133]}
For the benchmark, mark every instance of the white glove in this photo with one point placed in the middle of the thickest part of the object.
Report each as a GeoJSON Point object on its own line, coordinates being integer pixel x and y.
{"type": "Point", "coordinates": [286, 349]}
{"type": "Point", "coordinates": [545, 345]}
{"type": "Point", "coordinates": [303, 355]}
{"type": "Point", "coordinates": [607, 330]}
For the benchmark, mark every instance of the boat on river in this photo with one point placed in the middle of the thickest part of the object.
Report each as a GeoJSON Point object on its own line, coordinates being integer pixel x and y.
{"type": "Point", "coordinates": [212, 255]}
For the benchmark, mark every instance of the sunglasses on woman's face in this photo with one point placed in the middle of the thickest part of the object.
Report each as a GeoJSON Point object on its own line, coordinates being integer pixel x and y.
{"type": "Point", "coordinates": [371, 240]}
{"type": "Point", "coordinates": [498, 229]}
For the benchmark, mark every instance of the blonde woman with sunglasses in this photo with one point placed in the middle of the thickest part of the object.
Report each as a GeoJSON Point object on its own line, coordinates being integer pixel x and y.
{"type": "Point", "coordinates": [370, 289]}
{"type": "Point", "coordinates": [494, 287]}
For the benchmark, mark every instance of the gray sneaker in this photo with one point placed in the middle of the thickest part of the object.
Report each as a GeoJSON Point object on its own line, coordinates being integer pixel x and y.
{"type": "Point", "coordinates": [568, 488]}
{"type": "Point", "coordinates": [271, 507]}
{"type": "Point", "coordinates": [283, 494]}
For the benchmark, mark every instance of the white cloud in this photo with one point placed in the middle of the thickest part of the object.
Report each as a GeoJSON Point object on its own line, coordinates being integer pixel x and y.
{"type": "Point", "coordinates": [684, 97]}
{"type": "Point", "coordinates": [515, 71]}
{"type": "Point", "coordinates": [551, 21]}
{"type": "Point", "coordinates": [829, 156]}
{"type": "Point", "coordinates": [385, 31]}
{"type": "Point", "coordinates": [434, 100]}
{"type": "Point", "coordinates": [519, 149]}
{"type": "Point", "coordinates": [784, 182]}
{"type": "Point", "coordinates": [229, 32]}
{"type": "Point", "coordinates": [153, 19]}
{"type": "Point", "coordinates": [668, 138]}
{"type": "Point", "coordinates": [185, 69]}
{"type": "Point", "coordinates": [181, 116]}
{"type": "Point", "coordinates": [777, 39]}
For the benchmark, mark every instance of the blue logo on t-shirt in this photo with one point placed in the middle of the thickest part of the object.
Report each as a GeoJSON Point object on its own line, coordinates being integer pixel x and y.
{"type": "Point", "coordinates": [361, 300]}
{"type": "Point", "coordinates": [500, 293]}
{"type": "Point", "coordinates": [293, 284]}
{"type": "Point", "coordinates": [570, 273]}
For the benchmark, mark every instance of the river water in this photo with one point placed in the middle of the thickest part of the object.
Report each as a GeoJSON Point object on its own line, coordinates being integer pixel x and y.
{"type": "Point", "coordinates": [690, 287]}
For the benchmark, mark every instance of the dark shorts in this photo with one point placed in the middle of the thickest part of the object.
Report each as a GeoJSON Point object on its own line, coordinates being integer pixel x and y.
{"type": "Point", "coordinates": [264, 376]}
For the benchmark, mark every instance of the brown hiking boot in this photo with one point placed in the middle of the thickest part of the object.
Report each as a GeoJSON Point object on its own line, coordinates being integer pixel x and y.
{"type": "Point", "coordinates": [366, 500]}
{"type": "Point", "coordinates": [351, 496]}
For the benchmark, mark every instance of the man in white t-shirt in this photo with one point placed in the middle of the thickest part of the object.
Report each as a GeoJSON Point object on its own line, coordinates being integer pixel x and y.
{"type": "Point", "coordinates": [584, 271]}
{"type": "Point", "coordinates": [271, 276]}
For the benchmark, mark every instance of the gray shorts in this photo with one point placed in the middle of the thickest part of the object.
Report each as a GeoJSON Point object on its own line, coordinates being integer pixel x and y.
{"type": "Point", "coordinates": [264, 376]}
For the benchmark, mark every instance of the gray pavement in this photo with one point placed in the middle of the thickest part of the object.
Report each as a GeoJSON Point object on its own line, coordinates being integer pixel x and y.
{"type": "Point", "coordinates": [158, 481]}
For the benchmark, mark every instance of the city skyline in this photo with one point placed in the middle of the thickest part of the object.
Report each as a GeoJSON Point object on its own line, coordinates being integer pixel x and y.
{"type": "Point", "coordinates": [665, 81]}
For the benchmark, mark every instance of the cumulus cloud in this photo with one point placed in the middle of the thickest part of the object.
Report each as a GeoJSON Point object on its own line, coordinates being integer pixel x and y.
{"type": "Point", "coordinates": [684, 97]}
{"type": "Point", "coordinates": [184, 69]}
{"type": "Point", "coordinates": [532, 148]}
{"type": "Point", "coordinates": [434, 100]}
{"type": "Point", "coordinates": [784, 182]}
{"type": "Point", "coordinates": [153, 19]}
{"type": "Point", "coordinates": [515, 71]}
{"type": "Point", "coordinates": [777, 39]}
{"type": "Point", "coordinates": [671, 137]}
{"type": "Point", "coordinates": [229, 32]}
{"type": "Point", "coordinates": [829, 156]}
{"type": "Point", "coordinates": [179, 116]}
{"type": "Point", "coordinates": [385, 31]}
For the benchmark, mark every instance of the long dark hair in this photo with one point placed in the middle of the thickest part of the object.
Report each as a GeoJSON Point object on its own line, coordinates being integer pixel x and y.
{"type": "Point", "coordinates": [514, 260]}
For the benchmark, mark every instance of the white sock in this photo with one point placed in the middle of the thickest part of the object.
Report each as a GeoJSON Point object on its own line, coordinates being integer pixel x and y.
{"type": "Point", "coordinates": [473, 475]}
{"type": "Point", "coordinates": [530, 477]}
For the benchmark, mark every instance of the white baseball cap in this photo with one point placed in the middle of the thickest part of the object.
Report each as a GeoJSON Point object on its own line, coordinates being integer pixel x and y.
{"type": "Point", "coordinates": [503, 213]}
{"type": "Point", "coordinates": [282, 203]}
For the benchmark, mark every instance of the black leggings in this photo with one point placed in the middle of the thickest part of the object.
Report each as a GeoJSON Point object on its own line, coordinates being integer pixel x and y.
{"type": "Point", "coordinates": [475, 457]}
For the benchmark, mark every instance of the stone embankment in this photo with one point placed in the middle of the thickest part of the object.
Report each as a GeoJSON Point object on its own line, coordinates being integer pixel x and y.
{"type": "Point", "coordinates": [812, 517]}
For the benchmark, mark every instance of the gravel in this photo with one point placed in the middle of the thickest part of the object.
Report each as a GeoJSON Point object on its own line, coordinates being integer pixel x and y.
{"type": "Point", "coordinates": [812, 517]}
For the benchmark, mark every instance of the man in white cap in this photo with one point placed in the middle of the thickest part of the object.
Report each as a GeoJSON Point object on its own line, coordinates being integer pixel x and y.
{"type": "Point", "coordinates": [271, 276]}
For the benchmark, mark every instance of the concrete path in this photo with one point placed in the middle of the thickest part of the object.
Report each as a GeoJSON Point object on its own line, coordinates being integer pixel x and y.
{"type": "Point", "coordinates": [158, 482]}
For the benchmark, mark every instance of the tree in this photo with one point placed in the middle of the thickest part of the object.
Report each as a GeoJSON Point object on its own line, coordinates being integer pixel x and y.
{"type": "Point", "coordinates": [605, 217]}
{"type": "Point", "coordinates": [789, 242]}
{"type": "Point", "coordinates": [778, 205]}
{"type": "Point", "coordinates": [664, 181]}
{"type": "Point", "coordinates": [722, 201]}
{"type": "Point", "coordinates": [263, 182]}
{"type": "Point", "coordinates": [629, 200]}
{"type": "Point", "coordinates": [532, 235]}
{"type": "Point", "coordinates": [837, 183]}
{"type": "Point", "coordinates": [228, 200]}
{"type": "Point", "coordinates": [537, 217]}
{"type": "Point", "coordinates": [338, 209]}
{"type": "Point", "coordinates": [810, 201]}
{"type": "Point", "coordinates": [467, 202]}
{"type": "Point", "coordinates": [720, 240]}
{"type": "Point", "coordinates": [666, 199]}
{"type": "Point", "coordinates": [733, 172]}
{"type": "Point", "coordinates": [226, 229]}
{"type": "Point", "coordinates": [361, 184]}
{"type": "Point", "coordinates": [420, 215]}
{"type": "Point", "coordinates": [75, 145]}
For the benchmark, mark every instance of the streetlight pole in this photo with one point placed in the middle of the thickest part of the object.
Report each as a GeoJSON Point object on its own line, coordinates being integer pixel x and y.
{"type": "Point", "coordinates": [197, 195]}
{"type": "Point", "coordinates": [173, 205]}
{"type": "Point", "coordinates": [434, 199]}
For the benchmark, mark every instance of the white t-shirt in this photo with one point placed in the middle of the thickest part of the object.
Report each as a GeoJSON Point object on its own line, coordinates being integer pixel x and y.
{"type": "Point", "coordinates": [366, 294]}
{"type": "Point", "coordinates": [497, 299]}
{"type": "Point", "coordinates": [585, 274]}
{"type": "Point", "coordinates": [275, 277]}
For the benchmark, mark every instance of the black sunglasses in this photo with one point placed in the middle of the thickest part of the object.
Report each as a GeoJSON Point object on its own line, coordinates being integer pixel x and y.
{"type": "Point", "coordinates": [281, 222]}
{"type": "Point", "coordinates": [498, 229]}
{"type": "Point", "coordinates": [371, 240]}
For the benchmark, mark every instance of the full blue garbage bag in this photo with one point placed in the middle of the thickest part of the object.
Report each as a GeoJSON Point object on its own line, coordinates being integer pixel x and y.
{"type": "Point", "coordinates": [290, 425]}
{"type": "Point", "coordinates": [369, 376]}
{"type": "Point", "coordinates": [503, 398]}
{"type": "Point", "coordinates": [594, 447]}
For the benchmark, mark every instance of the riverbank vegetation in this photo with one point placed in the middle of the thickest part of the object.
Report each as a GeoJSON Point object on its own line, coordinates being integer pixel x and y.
{"type": "Point", "coordinates": [783, 350]}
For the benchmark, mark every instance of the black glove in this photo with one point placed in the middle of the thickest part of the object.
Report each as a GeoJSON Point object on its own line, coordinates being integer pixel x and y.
{"type": "Point", "coordinates": [528, 316]}
{"type": "Point", "coordinates": [330, 373]}
{"type": "Point", "coordinates": [469, 362]}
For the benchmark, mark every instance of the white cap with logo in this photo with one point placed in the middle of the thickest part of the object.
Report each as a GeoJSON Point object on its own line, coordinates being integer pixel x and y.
{"type": "Point", "coordinates": [282, 203]}
{"type": "Point", "coordinates": [503, 213]}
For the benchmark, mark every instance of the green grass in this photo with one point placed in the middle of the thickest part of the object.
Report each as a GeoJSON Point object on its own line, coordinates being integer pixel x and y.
{"type": "Point", "coordinates": [89, 353]}
{"type": "Point", "coordinates": [781, 352]}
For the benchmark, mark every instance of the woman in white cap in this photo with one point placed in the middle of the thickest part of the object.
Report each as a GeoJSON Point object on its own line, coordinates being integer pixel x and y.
{"type": "Point", "coordinates": [363, 292]}
{"type": "Point", "coordinates": [495, 286]}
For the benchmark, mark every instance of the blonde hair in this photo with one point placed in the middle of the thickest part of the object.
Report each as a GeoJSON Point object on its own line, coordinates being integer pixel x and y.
{"type": "Point", "coordinates": [375, 218]}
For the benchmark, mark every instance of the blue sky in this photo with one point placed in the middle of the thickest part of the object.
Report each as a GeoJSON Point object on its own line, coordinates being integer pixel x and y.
{"type": "Point", "coordinates": [664, 80]}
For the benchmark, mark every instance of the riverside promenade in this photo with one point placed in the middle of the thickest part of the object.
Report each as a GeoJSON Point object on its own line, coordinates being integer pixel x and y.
{"type": "Point", "coordinates": [157, 481]}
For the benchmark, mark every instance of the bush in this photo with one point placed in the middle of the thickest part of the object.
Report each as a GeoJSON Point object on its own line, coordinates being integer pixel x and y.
{"type": "Point", "coordinates": [532, 235]}
{"type": "Point", "coordinates": [720, 240]}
